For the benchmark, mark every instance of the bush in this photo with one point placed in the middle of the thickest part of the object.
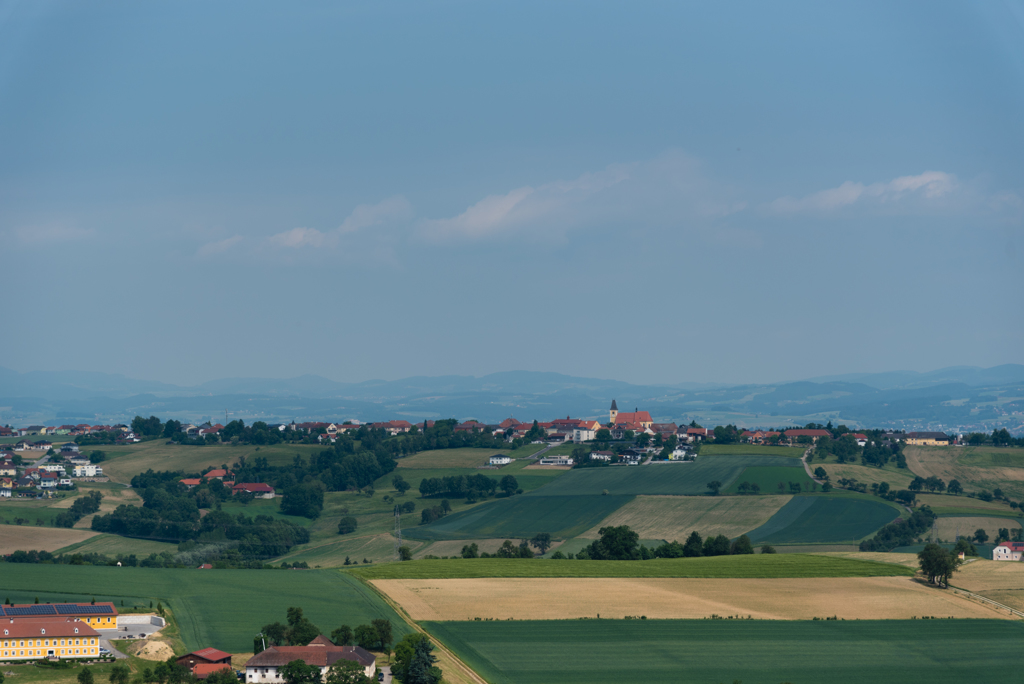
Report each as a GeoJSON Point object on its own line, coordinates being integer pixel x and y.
{"type": "Point", "coordinates": [347, 525]}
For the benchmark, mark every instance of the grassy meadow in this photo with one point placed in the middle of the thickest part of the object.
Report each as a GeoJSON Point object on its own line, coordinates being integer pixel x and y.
{"type": "Point", "coordinates": [757, 565]}
{"type": "Point", "coordinates": [522, 517]}
{"type": "Point", "coordinates": [125, 462]}
{"type": "Point", "coordinates": [773, 479]}
{"type": "Point", "coordinates": [976, 468]}
{"type": "Point", "coordinates": [715, 651]}
{"type": "Point", "coordinates": [825, 519]}
{"type": "Point", "coordinates": [750, 450]}
{"type": "Point", "coordinates": [219, 608]}
{"type": "Point", "coordinates": [664, 478]}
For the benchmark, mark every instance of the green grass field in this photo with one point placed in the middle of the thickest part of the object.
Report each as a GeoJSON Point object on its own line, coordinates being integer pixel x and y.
{"type": "Point", "coordinates": [112, 545]}
{"type": "Point", "coordinates": [523, 517]}
{"type": "Point", "coordinates": [271, 507]}
{"type": "Point", "coordinates": [219, 608]}
{"type": "Point", "coordinates": [749, 450]}
{"type": "Point", "coordinates": [824, 519]}
{"type": "Point", "coordinates": [451, 458]}
{"type": "Point", "coordinates": [668, 478]}
{"type": "Point", "coordinates": [714, 651]}
{"type": "Point", "coordinates": [768, 479]}
{"type": "Point", "coordinates": [757, 565]}
{"type": "Point", "coordinates": [991, 457]}
{"type": "Point", "coordinates": [35, 512]}
{"type": "Point", "coordinates": [124, 462]}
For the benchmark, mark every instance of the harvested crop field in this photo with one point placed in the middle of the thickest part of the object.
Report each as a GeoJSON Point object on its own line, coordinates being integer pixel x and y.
{"type": "Point", "coordinates": [908, 560]}
{"type": "Point", "coordinates": [850, 598]}
{"type": "Point", "coordinates": [1001, 581]}
{"type": "Point", "coordinates": [975, 467]}
{"type": "Point", "coordinates": [24, 538]}
{"type": "Point", "coordinates": [673, 518]}
{"type": "Point", "coordinates": [948, 528]}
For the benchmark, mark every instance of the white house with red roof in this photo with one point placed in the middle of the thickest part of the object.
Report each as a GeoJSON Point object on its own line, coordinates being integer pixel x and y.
{"type": "Point", "coordinates": [1008, 551]}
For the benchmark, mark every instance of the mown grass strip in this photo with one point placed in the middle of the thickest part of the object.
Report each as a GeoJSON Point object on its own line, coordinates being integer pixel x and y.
{"type": "Point", "coordinates": [767, 566]}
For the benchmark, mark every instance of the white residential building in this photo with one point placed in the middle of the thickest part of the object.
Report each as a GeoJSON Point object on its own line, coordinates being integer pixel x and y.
{"type": "Point", "coordinates": [89, 470]}
{"type": "Point", "coordinates": [500, 460]}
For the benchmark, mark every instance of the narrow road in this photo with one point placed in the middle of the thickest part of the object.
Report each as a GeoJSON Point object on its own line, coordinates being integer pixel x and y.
{"type": "Point", "coordinates": [803, 459]}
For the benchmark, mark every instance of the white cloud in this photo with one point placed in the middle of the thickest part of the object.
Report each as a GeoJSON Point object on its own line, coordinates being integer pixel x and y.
{"type": "Point", "coordinates": [392, 210]}
{"type": "Point", "coordinates": [667, 189]}
{"type": "Point", "coordinates": [301, 237]}
{"type": "Point", "coordinates": [929, 185]}
{"type": "Point", "coordinates": [213, 248]}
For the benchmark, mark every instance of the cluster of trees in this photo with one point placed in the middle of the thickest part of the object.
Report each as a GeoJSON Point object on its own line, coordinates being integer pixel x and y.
{"type": "Point", "coordinates": [938, 564]}
{"type": "Point", "coordinates": [542, 542]}
{"type": "Point", "coordinates": [376, 636]}
{"type": "Point", "coordinates": [1000, 437]}
{"type": "Point", "coordinates": [429, 515]}
{"type": "Point", "coordinates": [901, 532]}
{"type": "Point", "coordinates": [414, 661]}
{"type": "Point", "coordinates": [622, 543]}
{"type": "Point", "coordinates": [221, 556]}
{"type": "Point", "coordinates": [470, 486]}
{"type": "Point", "coordinates": [80, 507]}
{"type": "Point", "coordinates": [340, 468]}
{"type": "Point", "coordinates": [934, 484]}
{"type": "Point", "coordinates": [170, 512]}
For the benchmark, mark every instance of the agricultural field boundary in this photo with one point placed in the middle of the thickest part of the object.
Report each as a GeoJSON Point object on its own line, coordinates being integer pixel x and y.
{"type": "Point", "coordinates": [845, 652]}
{"type": "Point", "coordinates": [985, 599]}
{"type": "Point", "coordinates": [468, 674]}
{"type": "Point", "coordinates": [748, 566]}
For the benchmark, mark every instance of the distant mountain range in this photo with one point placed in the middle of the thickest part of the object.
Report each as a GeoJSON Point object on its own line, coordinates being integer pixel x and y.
{"type": "Point", "coordinates": [953, 399]}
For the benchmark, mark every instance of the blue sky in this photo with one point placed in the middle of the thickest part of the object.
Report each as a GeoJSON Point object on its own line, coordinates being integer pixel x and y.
{"type": "Point", "coordinates": [651, 192]}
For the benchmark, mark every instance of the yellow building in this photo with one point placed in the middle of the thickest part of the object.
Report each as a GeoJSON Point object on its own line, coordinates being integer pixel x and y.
{"type": "Point", "coordinates": [927, 439]}
{"type": "Point", "coordinates": [32, 638]}
{"type": "Point", "coordinates": [95, 615]}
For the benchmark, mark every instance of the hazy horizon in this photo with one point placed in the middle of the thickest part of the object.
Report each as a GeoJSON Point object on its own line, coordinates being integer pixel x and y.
{"type": "Point", "coordinates": [650, 193]}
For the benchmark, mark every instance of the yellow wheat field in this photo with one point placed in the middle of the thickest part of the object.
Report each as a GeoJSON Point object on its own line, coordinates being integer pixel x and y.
{"type": "Point", "coordinates": [1001, 581]}
{"type": "Point", "coordinates": [675, 517]}
{"type": "Point", "coordinates": [25, 538]}
{"type": "Point", "coordinates": [851, 598]}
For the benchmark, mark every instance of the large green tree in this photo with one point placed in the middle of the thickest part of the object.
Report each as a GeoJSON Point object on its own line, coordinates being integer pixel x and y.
{"type": "Point", "coordinates": [616, 543]}
{"type": "Point", "coordinates": [298, 672]}
{"type": "Point", "coordinates": [347, 672]}
{"type": "Point", "coordinates": [937, 564]}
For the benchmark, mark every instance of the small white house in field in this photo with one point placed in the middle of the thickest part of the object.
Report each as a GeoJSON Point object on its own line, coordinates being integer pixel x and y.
{"type": "Point", "coordinates": [500, 460]}
{"type": "Point", "coordinates": [1008, 551]}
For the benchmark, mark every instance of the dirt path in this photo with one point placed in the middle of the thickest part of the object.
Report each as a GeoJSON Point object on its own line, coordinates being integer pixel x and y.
{"type": "Point", "coordinates": [464, 674]}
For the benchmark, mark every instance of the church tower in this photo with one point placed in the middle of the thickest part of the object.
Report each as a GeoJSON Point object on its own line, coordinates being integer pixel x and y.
{"type": "Point", "coordinates": [613, 413]}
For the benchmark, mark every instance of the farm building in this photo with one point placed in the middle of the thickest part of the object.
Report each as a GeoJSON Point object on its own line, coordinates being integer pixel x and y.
{"type": "Point", "coordinates": [206, 656]}
{"type": "Point", "coordinates": [601, 455]}
{"type": "Point", "coordinates": [1008, 551]}
{"type": "Point", "coordinates": [35, 638]}
{"type": "Point", "coordinates": [265, 666]}
{"type": "Point", "coordinates": [98, 615]}
{"type": "Point", "coordinates": [499, 459]}
{"type": "Point", "coordinates": [815, 435]}
{"type": "Point", "coordinates": [928, 439]}
{"type": "Point", "coordinates": [257, 489]}
{"type": "Point", "coordinates": [557, 461]}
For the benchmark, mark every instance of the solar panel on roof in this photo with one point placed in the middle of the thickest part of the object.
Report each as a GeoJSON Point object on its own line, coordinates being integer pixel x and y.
{"type": "Point", "coordinates": [41, 609]}
{"type": "Point", "coordinates": [75, 608]}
